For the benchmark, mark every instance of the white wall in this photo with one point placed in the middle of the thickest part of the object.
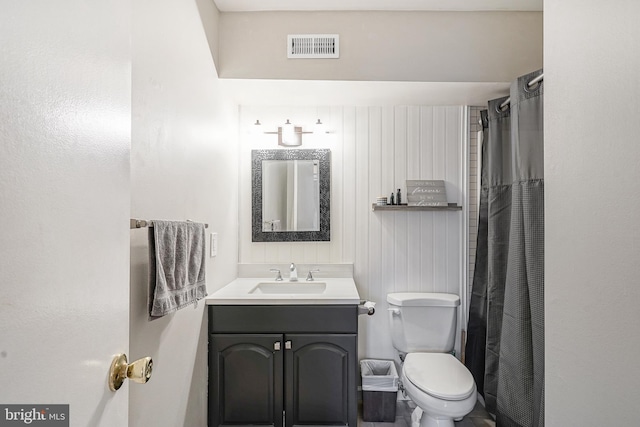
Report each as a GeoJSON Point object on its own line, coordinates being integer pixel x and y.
{"type": "Point", "coordinates": [210, 17]}
{"type": "Point", "coordinates": [385, 46]}
{"type": "Point", "coordinates": [279, 93]}
{"type": "Point", "coordinates": [65, 121]}
{"type": "Point", "coordinates": [183, 166]}
{"type": "Point", "coordinates": [373, 151]}
{"type": "Point", "coordinates": [592, 103]}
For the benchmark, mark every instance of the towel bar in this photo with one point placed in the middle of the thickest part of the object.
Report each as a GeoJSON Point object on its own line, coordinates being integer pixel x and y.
{"type": "Point", "coordinates": [141, 223]}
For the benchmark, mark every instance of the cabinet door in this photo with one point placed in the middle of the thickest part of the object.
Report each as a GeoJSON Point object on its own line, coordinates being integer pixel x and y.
{"type": "Point", "coordinates": [245, 379]}
{"type": "Point", "coordinates": [320, 373]}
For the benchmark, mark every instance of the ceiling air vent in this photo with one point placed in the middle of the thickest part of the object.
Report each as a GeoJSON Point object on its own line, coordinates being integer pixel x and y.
{"type": "Point", "coordinates": [313, 46]}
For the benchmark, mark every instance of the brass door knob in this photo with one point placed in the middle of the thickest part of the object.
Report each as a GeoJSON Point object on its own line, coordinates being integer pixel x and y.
{"type": "Point", "coordinates": [138, 371]}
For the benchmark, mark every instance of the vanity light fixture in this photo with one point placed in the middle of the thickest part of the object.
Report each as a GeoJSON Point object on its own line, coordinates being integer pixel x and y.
{"type": "Point", "coordinates": [289, 135]}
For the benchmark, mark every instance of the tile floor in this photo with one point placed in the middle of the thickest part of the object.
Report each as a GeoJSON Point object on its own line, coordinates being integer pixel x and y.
{"type": "Point", "coordinates": [477, 418]}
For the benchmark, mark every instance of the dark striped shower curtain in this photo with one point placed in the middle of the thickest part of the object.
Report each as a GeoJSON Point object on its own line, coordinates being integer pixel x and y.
{"type": "Point", "coordinates": [505, 344]}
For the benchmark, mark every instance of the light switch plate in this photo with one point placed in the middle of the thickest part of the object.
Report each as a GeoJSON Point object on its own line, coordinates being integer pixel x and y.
{"type": "Point", "coordinates": [214, 244]}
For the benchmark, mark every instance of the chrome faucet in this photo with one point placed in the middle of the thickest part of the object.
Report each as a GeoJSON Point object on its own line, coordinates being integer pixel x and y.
{"type": "Point", "coordinates": [278, 276]}
{"type": "Point", "coordinates": [310, 275]}
{"type": "Point", "coordinates": [293, 273]}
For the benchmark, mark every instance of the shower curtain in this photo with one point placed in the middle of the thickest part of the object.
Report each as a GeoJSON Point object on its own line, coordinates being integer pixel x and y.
{"type": "Point", "coordinates": [505, 344]}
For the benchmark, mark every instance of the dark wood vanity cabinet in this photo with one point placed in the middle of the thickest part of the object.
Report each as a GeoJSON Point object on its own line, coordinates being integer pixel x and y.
{"type": "Point", "coordinates": [244, 386]}
{"type": "Point", "coordinates": [304, 374]}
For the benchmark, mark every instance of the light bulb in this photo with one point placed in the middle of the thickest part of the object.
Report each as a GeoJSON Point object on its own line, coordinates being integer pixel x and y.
{"type": "Point", "coordinates": [318, 127]}
{"type": "Point", "coordinates": [288, 134]}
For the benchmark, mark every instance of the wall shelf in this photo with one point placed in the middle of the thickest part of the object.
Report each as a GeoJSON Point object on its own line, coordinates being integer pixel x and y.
{"type": "Point", "coordinates": [451, 207]}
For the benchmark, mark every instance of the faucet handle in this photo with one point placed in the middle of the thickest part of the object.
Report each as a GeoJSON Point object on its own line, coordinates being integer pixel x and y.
{"type": "Point", "coordinates": [310, 276]}
{"type": "Point", "coordinates": [278, 276]}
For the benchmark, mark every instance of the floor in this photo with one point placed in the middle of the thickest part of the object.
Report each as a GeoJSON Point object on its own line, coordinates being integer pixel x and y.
{"type": "Point", "coordinates": [477, 418]}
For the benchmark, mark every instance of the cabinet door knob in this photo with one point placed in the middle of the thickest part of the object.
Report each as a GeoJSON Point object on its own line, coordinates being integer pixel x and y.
{"type": "Point", "coordinates": [287, 345]}
{"type": "Point", "coordinates": [276, 346]}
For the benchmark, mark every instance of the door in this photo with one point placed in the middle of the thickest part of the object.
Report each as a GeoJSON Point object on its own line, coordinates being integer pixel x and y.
{"type": "Point", "coordinates": [320, 378]}
{"type": "Point", "coordinates": [245, 372]}
{"type": "Point", "coordinates": [65, 118]}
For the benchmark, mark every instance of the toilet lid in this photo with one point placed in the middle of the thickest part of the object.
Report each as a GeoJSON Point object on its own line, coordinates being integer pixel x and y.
{"type": "Point", "coordinates": [439, 374]}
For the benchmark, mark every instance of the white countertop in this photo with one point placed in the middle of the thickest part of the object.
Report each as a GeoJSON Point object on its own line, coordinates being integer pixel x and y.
{"type": "Point", "coordinates": [339, 290]}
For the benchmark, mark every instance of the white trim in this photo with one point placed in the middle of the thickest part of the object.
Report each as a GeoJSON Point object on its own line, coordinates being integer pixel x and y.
{"type": "Point", "coordinates": [388, 5]}
{"type": "Point", "coordinates": [464, 294]}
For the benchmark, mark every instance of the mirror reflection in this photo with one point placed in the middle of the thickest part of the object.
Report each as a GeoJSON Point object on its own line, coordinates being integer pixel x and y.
{"type": "Point", "coordinates": [290, 195]}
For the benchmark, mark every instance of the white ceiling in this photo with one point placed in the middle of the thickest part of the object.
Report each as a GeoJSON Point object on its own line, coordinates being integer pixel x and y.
{"type": "Point", "coordinates": [390, 5]}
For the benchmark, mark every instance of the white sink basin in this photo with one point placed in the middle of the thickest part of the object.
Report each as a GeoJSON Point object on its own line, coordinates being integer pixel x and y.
{"type": "Point", "coordinates": [265, 290]}
{"type": "Point", "coordinates": [287, 288]}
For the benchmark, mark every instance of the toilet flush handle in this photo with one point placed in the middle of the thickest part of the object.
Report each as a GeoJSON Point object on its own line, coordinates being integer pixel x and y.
{"type": "Point", "coordinates": [394, 311]}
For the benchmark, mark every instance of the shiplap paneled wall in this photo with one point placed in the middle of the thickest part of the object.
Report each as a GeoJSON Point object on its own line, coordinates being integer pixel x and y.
{"type": "Point", "coordinates": [374, 150]}
{"type": "Point", "coordinates": [474, 188]}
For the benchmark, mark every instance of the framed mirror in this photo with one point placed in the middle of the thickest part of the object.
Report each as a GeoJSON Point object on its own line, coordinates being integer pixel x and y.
{"type": "Point", "coordinates": [290, 195]}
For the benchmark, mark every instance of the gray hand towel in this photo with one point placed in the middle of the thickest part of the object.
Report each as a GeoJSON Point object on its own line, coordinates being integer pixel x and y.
{"type": "Point", "coordinates": [176, 266]}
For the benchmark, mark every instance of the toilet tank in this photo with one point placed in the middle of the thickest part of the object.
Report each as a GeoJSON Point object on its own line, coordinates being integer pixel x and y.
{"type": "Point", "coordinates": [423, 322]}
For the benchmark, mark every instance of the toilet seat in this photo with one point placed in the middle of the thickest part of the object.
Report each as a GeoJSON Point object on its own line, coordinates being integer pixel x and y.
{"type": "Point", "coordinates": [440, 375]}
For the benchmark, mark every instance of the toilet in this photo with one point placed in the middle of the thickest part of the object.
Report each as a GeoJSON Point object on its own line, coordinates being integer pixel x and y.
{"type": "Point", "coordinates": [423, 330]}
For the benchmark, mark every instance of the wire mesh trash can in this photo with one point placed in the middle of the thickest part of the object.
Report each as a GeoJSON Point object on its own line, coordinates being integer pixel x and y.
{"type": "Point", "coordinates": [379, 390]}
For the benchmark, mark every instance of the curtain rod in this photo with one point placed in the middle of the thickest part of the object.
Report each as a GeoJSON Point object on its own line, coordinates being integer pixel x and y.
{"type": "Point", "coordinates": [534, 81]}
{"type": "Point", "coordinates": [141, 223]}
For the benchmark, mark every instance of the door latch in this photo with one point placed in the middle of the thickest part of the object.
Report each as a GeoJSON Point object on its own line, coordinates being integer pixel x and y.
{"type": "Point", "coordinates": [138, 371]}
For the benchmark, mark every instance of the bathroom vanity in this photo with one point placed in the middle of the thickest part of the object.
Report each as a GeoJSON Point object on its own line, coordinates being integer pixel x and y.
{"type": "Point", "coordinates": [283, 353]}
